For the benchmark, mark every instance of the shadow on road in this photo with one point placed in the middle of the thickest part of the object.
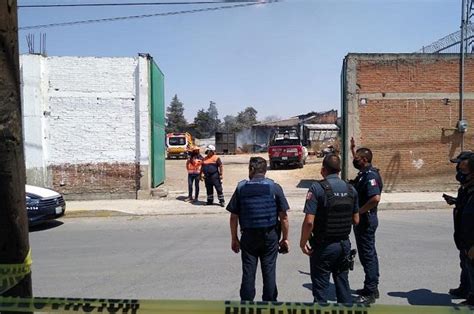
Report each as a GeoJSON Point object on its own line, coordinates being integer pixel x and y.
{"type": "Point", "coordinates": [332, 288]}
{"type": "Point", "coordinates": [305, 183]}
{"type": "Point", "coordinates": [46, 226]}
{"type": "Point", "coordinates": [203, 203]}
{"type": "Point", "coordinates": [304, 273]}
{"type": "Point", "coordinates": [197, 203]}
{"type": "Point", "coordinates": [331, 293]}
{"type": "Point", "coordinates": [423, 297]}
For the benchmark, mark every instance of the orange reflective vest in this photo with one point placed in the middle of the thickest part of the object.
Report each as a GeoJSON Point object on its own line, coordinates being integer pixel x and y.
{"type": "Point", "coordinates": [194, 166]}
{"type": "Point", "coordinates": [210, 165]}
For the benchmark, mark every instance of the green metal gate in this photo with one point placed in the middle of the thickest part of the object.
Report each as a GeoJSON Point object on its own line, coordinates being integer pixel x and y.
{"type": "Point", "coordinates": [157, 100]}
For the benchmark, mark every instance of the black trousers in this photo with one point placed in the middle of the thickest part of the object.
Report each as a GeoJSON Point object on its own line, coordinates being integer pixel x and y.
{"type": "Point", "coordinates": [326, 260]}
{"type": "Point", "coordinates": [258, 245]}
{"type": "Point", "coordinates": [465, 283]}
{"type": "Point", "coordinates": [365, 239]}
{"type": "Point", "coordinates": [214, 181]}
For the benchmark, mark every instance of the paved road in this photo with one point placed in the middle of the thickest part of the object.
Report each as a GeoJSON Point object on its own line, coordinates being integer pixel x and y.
{"type": "Point", "coordinates": [189, 257]}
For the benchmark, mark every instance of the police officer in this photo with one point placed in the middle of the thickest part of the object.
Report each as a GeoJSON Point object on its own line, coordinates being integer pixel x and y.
{"type": "Point", "coordinates": [257, 205]}
{"type": "Point", "coordinates": [368, 184]}
{"type": "Point", "coordinates": [331, 208]}
{"type": "Point", "coordinates": [212, 172]}
{"type": "Point", "coordinates": [459, 202]}
{"type": "Point", "coordinates": [466, 223]}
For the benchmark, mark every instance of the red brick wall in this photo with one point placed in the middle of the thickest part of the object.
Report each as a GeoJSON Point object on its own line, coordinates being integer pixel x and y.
{"type": "Point", "coordinates": [406, 132]}
{"type": "Point", "coordinates": [103, 180]}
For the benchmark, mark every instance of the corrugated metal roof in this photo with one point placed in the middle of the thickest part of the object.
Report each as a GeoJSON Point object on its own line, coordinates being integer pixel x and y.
{"type": "Point", "coordinates": [284, 122]}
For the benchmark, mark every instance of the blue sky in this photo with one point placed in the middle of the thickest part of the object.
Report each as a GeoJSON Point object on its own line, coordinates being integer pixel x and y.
{"type": "Point", "coordinates": [282, 58]}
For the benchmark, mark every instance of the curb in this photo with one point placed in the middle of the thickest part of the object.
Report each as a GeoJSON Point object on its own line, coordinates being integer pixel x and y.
{"type": "Point", "coordinates": [216, 210]}
{"type": "Point", "coordinates": [414, 206]}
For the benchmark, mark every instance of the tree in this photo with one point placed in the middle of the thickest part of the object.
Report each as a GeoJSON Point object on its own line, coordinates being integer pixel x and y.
{"type": "Point", "coordinates": [14, 244]}
{"type": "Point", "coordinates": [214, 121]}
{"type": "Point", "coordinates": [207, 122]}
{"type": "Point", "coordinates": [244, 120]}
{"type": "Point", "coordinates": [201, 122]}
{"type": "Point", "coordinates": [230, 124]}
{"type": "Point", "coordinates": [175, 121]}
{"type": "Point", "coordinates": [247, 118]}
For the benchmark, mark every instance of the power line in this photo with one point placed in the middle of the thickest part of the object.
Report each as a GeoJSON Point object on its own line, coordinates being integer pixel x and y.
{"type": "Point", "coordinates": [126, 4]}
{"type": "Point", "coordinates": [121, 18]}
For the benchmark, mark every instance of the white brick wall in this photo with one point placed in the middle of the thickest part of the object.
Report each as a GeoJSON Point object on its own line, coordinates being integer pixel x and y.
{"type": "Point", "coordinates": [33, 73]}
{"type": "Point", "coordinates": [85, 111]}
{"type": "Point", "coordinates": [92, 110]}
{"type": "Point", "coordinates": [32, 108]}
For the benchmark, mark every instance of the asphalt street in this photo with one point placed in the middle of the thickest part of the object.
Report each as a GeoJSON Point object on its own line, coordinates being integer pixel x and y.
{"type": "Point", "coordinates": [189, 257]}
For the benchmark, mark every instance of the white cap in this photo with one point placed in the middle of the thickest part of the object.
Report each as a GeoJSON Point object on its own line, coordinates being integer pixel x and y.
{"type": "Point", "coordinates": [211, 148]}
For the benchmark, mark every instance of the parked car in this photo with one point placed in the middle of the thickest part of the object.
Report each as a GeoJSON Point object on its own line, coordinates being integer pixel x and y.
{"type": "Point", "coordinates": [43, 204]}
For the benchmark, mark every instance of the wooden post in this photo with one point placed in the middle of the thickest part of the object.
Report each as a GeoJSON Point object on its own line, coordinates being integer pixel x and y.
{"type": "Point", "coordinates": [14, 244]}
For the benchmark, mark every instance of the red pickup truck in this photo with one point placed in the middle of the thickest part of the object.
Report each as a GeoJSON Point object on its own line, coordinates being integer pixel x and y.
{"type": "Point", "coordinates": [286, 149]}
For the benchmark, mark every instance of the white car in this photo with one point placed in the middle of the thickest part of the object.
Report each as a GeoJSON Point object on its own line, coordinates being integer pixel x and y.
{"type": "Point", "coordinates": [43, 204]}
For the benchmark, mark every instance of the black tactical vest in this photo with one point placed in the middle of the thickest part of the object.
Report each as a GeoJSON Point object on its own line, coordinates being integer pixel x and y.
{"type": "Point", "coordinates": [334, 217]}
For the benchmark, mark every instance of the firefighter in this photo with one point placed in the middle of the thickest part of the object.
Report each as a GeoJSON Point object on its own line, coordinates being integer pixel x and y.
{"type": "Point", "coordinates": [212, 174]}
{"type": "Point", "coordinates": [193, 166]}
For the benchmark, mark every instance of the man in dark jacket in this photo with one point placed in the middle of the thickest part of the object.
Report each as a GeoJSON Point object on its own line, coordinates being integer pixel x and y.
{"type": "Point", "coordinates": [256, 206]}
{"type": "Point", "coordinates": [459, 202]}
{"type": "Point", "coordinates": [466, 224]}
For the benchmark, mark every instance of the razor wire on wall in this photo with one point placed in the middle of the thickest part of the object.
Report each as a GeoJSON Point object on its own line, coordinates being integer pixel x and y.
{"type": "Point", "coordinates": [452, 42]}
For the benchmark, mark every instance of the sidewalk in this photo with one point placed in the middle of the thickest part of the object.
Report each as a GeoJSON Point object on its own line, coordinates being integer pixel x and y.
{"type": "Point", "coordinates": [174, 205]}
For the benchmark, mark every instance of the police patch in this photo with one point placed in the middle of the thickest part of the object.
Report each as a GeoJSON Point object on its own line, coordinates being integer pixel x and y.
{"type": "Point", "coordinates": [309, 195]}
{"type": "Point", "coordinates": [373, 182]}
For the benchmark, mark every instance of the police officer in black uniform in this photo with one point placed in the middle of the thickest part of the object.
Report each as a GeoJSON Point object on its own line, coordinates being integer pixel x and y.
{"type": "Point", "coordinates": [331, 208]}
{"type": "Point", "coordinates": [256, 206]}
{"type": "Point", "coordinates": [369, 185]}
{"type": "Point", "coordinates": [466, 223]}
{"type": "Point", "coordinates": [460, 201]}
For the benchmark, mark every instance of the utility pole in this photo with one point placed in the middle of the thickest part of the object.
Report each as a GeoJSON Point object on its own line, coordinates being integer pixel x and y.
{"type": "Point", "coordinates": [461, 71]}
{"type": "Point", "coordinates": [466, 16]}
{"type": "Point", "coordinates": [14, 246]}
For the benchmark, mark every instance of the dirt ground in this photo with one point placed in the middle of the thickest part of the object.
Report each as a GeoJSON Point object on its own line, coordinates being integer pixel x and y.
{"type": "Point", "coordinates": [236, 169]}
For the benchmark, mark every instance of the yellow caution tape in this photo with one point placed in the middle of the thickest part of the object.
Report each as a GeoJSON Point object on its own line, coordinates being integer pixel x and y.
{"type": "Point", "coordinates": [12, 274]}
{"type": "Point", "coordinates": [68, 305]}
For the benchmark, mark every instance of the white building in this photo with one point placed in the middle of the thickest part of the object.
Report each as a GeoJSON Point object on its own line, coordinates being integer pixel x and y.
{"type": "Point", "coordinates": [87, 124]}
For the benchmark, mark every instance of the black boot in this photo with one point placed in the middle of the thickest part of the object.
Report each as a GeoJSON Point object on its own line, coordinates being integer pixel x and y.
{"type": "Point", "coordinates": [459, 293]}
{"type": "Point", "coordinates": [469, 301]}
{"type": "Point", "coordinates": [367, 292]}
{"type": "Point", "coordinates": [365, 299]}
